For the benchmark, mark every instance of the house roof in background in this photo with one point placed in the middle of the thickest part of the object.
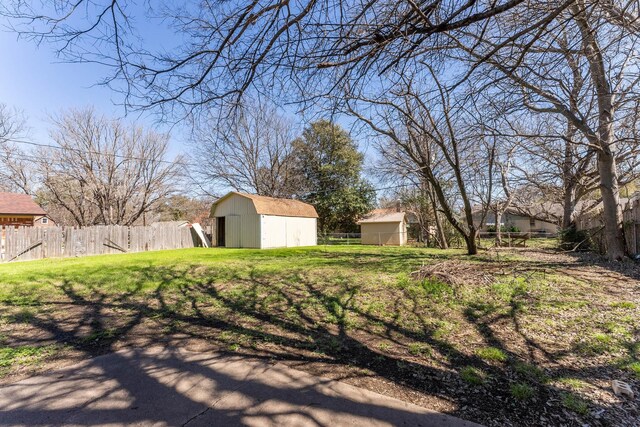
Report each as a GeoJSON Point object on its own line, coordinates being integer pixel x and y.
{"type": "Point", "coordinates": [274, 206]}
{"type": "Point", "coordinates": [383, 215]}
{"type": "Point", "coordinates": [19, 204]}
{"type": "Point", "coordinates": [543, 211]}
{"type": "Point", "coordinates": [551, 212]}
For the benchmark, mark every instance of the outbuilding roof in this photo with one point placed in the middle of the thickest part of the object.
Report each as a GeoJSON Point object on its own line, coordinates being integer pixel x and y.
{"type": "Point", "coordinates": [274, 206]}
{"type": "Point", "coordinates": [383, 215]}
{"type": "Point", "coordinates": [19, 204]}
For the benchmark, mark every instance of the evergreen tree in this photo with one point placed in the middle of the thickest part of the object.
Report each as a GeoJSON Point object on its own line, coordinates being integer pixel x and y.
{"type": "Point", "coordinates": [330, 165]}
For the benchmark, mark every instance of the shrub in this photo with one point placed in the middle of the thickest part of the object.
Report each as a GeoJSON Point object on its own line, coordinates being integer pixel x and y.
{"type": "Point", "coordinates": [571, 238]}
{"type": "Point", "coordinates": [531, 372]}
{"type": "Point", "coordinates": [491, 353]}
{"type": "Point", "coordinates": [598, 343]}
{"type": "Point", "coordinates": [436, 288]}
{"type": "Point", "coordinates": [522, 391]}
{"type": "Point", "coordinates": [503, 229]}
{"type": "Point", "coordinates": [419, 349]}
{"type": "Point", "coordinates": [573, 383]}
{"type": "Point", "coordinates": [384, 346]}
{"type": "Point", "coordinates": [635, 368]}
{"type": "Point", "coordinates": [473, 375]}
{"type": "Point", "coordinates": [575, 403]}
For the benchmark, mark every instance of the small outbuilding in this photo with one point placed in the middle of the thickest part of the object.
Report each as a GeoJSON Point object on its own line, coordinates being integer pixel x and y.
{"type": "Point", "coordinates": [251, 221]}
{"type": "Point", "coordinates": [384, 227]}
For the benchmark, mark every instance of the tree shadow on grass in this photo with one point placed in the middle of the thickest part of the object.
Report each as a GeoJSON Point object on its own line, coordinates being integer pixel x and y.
{"type": "Point", "coordinates": [292, 318]}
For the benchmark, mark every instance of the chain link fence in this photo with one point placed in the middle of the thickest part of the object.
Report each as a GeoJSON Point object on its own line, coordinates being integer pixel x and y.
{"type": "Point", "coordinates": [486, 239]}
{"type": "Point", "coordinates": [367, 238]}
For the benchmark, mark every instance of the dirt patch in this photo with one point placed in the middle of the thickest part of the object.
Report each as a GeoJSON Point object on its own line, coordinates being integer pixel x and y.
{"type": "Point", "coordinates": [456, 273]}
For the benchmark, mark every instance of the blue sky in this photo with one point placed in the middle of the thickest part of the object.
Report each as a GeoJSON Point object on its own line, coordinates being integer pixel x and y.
{"type": "Point", "coordinates": [35, 82]}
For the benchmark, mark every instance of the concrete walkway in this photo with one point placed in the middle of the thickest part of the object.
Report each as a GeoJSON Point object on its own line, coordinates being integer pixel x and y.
{"type": "Point", "coordinates": [178, 388]}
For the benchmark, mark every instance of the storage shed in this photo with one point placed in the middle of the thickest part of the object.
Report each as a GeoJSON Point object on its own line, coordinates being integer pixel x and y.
{"type": "Point", "coordinates": [384, 227]}
{"type": "Point", "coordinates": [251, 221]}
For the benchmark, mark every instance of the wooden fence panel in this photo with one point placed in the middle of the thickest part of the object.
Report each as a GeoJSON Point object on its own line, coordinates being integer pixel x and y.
{"type": "Point", "coordinates": [23, 243]}
{"type": "Point", "coordinates": [27, 243]}
{"type": "Point", "coordinates": [631, 227]}
{"type": "Point", "coordinates": [156, 241]}
{"type": "Point", "coordinates": [141, 239]}
{"type": "Point", "coordinates": [81, 242]}
{"type": "Point", "coordinates": [9, 243]}
{"type": "Point", "coordinates": [187, 239]}
{"type": "Point", "coordinates": [71, 245]}
{"type": "Point", "coordinates": [34, 237]}
{"type": "Point", "coordinates": [631, 221]}
{"type": "Point", "coordinates": [138, 239]}
{"type": "Point", "coordinates": [67, 245]}
{"type": "Point", "coordinates": [54, 242]}
{"type": "Point", "coordinates": [116, 239]}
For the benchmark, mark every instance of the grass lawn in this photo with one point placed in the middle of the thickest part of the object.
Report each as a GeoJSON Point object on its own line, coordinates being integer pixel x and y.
{"type": "Point", "coordinates": [526, 337]}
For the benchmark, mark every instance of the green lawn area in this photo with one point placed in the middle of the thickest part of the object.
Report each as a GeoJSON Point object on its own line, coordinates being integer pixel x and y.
{"type": "Point", "coordinates": [520, 334]}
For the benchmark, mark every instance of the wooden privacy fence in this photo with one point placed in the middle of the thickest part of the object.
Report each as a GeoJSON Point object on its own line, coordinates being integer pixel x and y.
{"type": "Point", "coordinates": [631, 225]}
{"type": "Point", "coordinates": [28, 243]}
{"type": "Point", "coordinates": [631, 221]}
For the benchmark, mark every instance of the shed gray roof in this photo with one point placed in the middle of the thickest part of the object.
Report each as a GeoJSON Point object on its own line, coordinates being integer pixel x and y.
{"type": "Point", "coordinates": [383, 215]}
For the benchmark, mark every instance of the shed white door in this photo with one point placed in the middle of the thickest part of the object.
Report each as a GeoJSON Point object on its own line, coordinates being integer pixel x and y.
{"type": "Point", "coordinates": [274, 231]}
{"type": "Point", "coordinates": [232, 231]}
{"type": "Point", "coordinates": [284, 231]}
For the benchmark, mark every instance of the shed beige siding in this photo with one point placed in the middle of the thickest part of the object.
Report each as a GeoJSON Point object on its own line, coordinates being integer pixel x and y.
{"type": "Point", "coordinates": [235, 205]}
{"type": "Point", "coordinates": [242, 223]}
{"type": "Point", "coordinates": [383, 233]}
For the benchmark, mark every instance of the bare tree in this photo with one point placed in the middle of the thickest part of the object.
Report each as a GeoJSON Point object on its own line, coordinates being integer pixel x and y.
{"type": "Point", "coordinates": [432, 130]}
{"type": "Point", "coordinates": [103, 171]}
{"type": "Point", "coordinates": [15, 171]}
{"type": "Point", "coordinates": [576, 65]}
{"type": "Point", "coordinates": [419, 201]}
{"type": "Point", "coordinates": [409, 186]}
{"type": "Point", "coordinates": [249, 150]}
{"type": "Point", "coordinates": [231, 47]}
{"type": "Point", "coordinates": [504, 201]}
{"type": "Point", "coordinates": [549, 166]}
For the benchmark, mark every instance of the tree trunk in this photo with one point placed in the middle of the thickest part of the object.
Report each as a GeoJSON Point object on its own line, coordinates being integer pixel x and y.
{"type": "Point", "coordinates": [440, 230]}
{"type": "Point", "coordinates": [498, 227]}
{"type": "Point", "coordinates": [440, 236]}
{"type": "Point", "coordinates": [424, 232]}
{"type": "Point", "coordinates": [472, 243]}
{"type": "Point", "coordinates": [568, 205]}
{"type": "Point", "coordinates": [569, 181]}
{"type": "Point", "coordinates": [611, 211]}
